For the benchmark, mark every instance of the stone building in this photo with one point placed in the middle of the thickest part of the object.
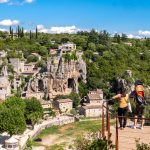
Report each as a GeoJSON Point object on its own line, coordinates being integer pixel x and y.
{"type": "Point", "coordinates": [64, 105]}
{"type": "Point", "coordinates": [92, 107]}
{"type": "Point", "coordinates": [91, 110]}
{"type": "Point", "coordinates": [16, 82]}
{"type": "Point", "coordinates": [30, 69]}
{"type": "Point", "coordinates": [17, 64]}
{"type": "Point", "coordinates": [12, 144]}
{"type": "Point", "coordinates": [95, 97]}
{"type": "Point", "coordinates": [67, 47]}
{"type": "Point", "coordinates": [5, 88]}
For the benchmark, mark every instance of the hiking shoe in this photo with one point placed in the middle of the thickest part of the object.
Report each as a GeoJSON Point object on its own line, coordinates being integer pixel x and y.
{"type": "Point", "coordinates": [141, 128]}
{"type": "Point", "coordinates": [133, 127]}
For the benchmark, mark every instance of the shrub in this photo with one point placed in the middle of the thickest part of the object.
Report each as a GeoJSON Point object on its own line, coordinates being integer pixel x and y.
{"type": "Point", "coordinates": [93, 142]}
{"type": "Point", "coordinates": [142, 146]}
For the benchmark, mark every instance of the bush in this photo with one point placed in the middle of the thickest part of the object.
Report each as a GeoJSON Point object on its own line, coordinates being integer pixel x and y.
{"type": "Point", "coordinates": [142, 146]}
{"type": "Point", "coordinates": [92, 142]}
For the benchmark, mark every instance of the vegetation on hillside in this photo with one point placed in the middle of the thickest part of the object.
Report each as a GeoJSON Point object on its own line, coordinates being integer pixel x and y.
{"type": "Point", "coordinates": [107, 57]}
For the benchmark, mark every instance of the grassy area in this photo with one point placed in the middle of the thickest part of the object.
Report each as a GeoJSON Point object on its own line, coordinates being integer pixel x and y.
{"type": "Point", "coordinates": [67, 132]}
{"type": "Point", "coordinates": [55, 147]}
{"type": "Point", "coordinates": [73, 128]}
{"type": "Point", "coordinates": [51, 130]}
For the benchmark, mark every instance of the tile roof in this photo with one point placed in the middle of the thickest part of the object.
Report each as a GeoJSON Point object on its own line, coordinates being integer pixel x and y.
{"type": "Point", "coordinates": [92, 107]}
{"type": "Point", "coordinates": [64, 100]}
{"type": "Point", "coordinates": [94, 96]}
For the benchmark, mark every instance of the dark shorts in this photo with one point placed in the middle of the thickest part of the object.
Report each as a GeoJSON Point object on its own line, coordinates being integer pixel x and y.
{"type": "Point", "coordinates": [140, 110]}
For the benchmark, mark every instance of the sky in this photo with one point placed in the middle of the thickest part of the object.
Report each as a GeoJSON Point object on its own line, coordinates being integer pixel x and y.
{"type": "Point", "coordinates": [58, 16]}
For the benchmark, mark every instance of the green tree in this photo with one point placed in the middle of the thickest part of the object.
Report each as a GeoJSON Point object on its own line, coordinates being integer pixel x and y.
{"type": "Point", "coordinates": [83, 89]}
{"type": "Point", "coordinates": [64, 40]}
{"type": "Point", "coordinates": [104, 38]}
{"type": "Point", "coordinates": [32, 58]}
{"type": "Point", "coordinates": [75, 98]}
{"type": "Point", "coordinates": [13, 102]}
{"type": "Point", "coordinates": [12, 121]}
{"type": "Point", "coordinates": [36, 33]}
{"type": "Point", "coordinates": [91, 46]}
{"type": "Point", "coordinates": [93, 37]}
{"type": "Point", "coordinates": [117, 38]}
{"type": "Point", "coordinates": [33, 111]}
{"type": "Point", "coordinates": [124, 37]}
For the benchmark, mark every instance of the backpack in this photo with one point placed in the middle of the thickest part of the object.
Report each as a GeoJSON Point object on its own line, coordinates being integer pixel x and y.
{"type": "Point", "coordinates": [139, 93]}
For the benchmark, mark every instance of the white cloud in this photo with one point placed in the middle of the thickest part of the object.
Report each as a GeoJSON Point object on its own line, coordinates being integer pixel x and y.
{"type": "Point", "coordinates": [144, 33]}
{"type": "Point", "coordinates": [9, 22]}
{"type": "Point", "coordinates": [131, 36]}
{"type": "Point", "coordinates": [1, 29]}
{"type": "Point", "coordinates": [16, 2]}
{"type": "Point", "coordinates": [4, 1]}
{"type": "Point", "coordinates": [66, 29]}
{"type": "Point", "coordinates": [29, 1]}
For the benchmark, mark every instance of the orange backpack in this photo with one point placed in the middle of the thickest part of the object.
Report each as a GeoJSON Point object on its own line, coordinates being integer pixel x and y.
{"type": "Point", "coordinates": [139, 89]}
{"type": "Point", "coordinates": [139, 95]}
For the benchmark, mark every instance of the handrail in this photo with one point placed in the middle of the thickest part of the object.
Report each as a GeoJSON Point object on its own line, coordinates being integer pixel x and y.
{"type": "Point", "coordinates": [107, 115]}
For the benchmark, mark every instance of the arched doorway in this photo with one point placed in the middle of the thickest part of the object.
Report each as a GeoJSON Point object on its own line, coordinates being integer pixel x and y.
{"type": "Point", "coordinates": [71, 83]}
{"type": "Point", "coordinates": [40, 85]}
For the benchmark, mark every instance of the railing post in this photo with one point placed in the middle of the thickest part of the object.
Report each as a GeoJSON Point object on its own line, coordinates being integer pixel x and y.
{"type": "Point", "coordinates": [108, 122]}
{"type": "Point", "coordinates": [103, 126]}
{"type": "Point", "coordinates": [117, 142]}
{"type": "Point", "coordinates": [108, 125]}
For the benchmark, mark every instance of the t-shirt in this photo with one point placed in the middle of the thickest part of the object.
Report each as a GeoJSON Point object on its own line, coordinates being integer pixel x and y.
{"type": "Point", "coordinates": [122, 100]}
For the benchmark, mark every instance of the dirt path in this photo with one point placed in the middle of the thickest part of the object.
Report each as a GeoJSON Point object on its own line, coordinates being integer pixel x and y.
{"type": "Point", "coordinates": [128, 136]}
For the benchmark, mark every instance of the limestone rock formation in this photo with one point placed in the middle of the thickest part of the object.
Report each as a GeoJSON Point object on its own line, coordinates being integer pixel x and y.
{"type": "Point", "coordinates": [61, 77]}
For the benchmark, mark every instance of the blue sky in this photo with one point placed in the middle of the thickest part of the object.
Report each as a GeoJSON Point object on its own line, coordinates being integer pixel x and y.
{"type": "Point", "coordinates": [128, 16]}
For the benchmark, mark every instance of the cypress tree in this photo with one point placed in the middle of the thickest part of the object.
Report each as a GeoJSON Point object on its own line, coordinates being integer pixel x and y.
{"type": "Point", "coordinates": [22, 32]}
{"type": "Point", "coordinates": [18, 31]}
{"type": "Point", "coordinates": [30, 35]}
{"type": "Point", "coordinates": [12, 34]}
{"type": "Point", "coordinates": [10, 30]}
{"type": "Point", "coordinates": [36, 33]}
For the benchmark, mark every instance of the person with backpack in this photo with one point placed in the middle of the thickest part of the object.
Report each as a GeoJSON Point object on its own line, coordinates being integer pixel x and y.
{"type": "Point", "coordinates": [122, 98]}
{"type": "Point", "coordinates": [139, 94]}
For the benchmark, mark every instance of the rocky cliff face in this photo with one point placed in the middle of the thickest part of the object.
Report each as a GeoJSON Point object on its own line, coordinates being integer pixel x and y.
{"type": "Point", "coordinates": [61, 77]}
{"type": "Point", "coordinates": [129, 85]}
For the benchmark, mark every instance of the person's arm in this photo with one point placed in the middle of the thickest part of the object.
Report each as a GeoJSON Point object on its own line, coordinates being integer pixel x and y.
{"type": "Point", "coordinates": [132, 94]}
{"type": "Point", "coordinates": [116, 96]}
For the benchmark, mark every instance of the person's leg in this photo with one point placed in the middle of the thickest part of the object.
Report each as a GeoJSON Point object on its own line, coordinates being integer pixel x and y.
{"type": "Point", "coordinates": [136, 116]}
{"type": "Point", "coordinates": [135, 120]}
{"type": "Point", "coordinates": [125, 110]}
{"type": "Point", "coordinates": [142, 122]}
{"type": "Point", "coordinates": [120, 117]}
{"type": "Point", "coordinates": [143, 118]}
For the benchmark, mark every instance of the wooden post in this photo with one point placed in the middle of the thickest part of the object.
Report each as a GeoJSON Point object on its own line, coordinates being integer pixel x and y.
{"type": "Point", "coordinates": [103, 126]}
{"type": "Point", "coordinates": [117, 142]}
{"type": "Point", "coordinates": [108, 122]}
{"type": "Point", "coordinates": [108, 126]}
